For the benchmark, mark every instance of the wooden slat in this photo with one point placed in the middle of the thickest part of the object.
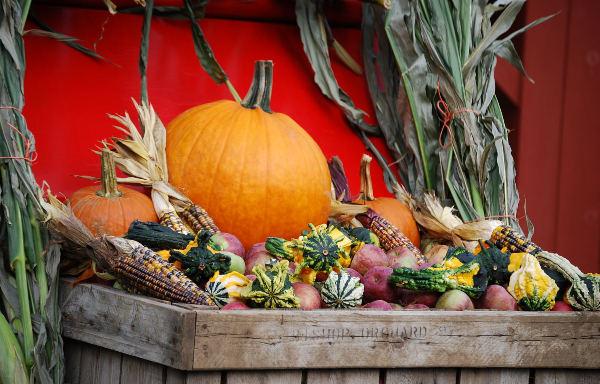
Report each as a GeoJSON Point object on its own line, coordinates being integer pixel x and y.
{"type": "Point", "coordinates": [135, 325]}
{"type": "Point", "coordinates": [138, 371]}
{"type": "Point", "coordinates": [175, 376]}
{"type": "Point", "coordinates": [99, 365]}
{"type": "Point", "coordinates": [567, 376]}
{"type": "Point", "coordinates": [421, 376]}
{"type": "Point", "coordinates": [291, 339]}
{"type": "Point", "coordinates": [72, 350]}
{"type": "Point", "coordinates": [342, 376]}
{"type": "Point", "coordinates": [494, 376]}
{"type": "Point", "coordinates": [265, 377]}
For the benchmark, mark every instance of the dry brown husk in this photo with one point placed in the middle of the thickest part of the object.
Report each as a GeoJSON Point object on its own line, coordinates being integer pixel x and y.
{"type": "Point", "coordinates": [440, 224]}
{"type": "Point", "coordinates": [77, 240]}
{"type": "Point", "coordinates": [143, 158]}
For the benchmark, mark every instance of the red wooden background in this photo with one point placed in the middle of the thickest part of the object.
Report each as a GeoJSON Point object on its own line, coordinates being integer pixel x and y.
{"type": "Point", "coordinates": [555, 131]}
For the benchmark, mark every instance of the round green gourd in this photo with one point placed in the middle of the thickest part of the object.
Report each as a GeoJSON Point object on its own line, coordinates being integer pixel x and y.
{"type": "Point", "coordinates": [217, 292]}
{"type": "Point", "coordinates": [342, 291]}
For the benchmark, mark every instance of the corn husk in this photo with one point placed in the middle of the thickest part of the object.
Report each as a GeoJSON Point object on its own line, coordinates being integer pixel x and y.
{"type": "Point", "coordinates": [143, 158]}
{"type": "Point", "coordinates": [440, 224]}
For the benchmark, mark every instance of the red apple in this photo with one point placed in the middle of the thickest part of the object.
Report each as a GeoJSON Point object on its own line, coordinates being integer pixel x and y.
{"type": "Point", "coordinates": [377, 286]}
{"type": "Point", "coordinates": [234, 305]}
{"type": "Point", "coordinates": [379, 304]}
{"type": "Point", "coordinates": [367, 257]}
{"type": "Point", "coordinates": [407, 297]}
{"type": "Point", "coordinates": [399, 252]}
{"type": "Point", "coordinates": [497, 297]}
{"type": "Point", "coordinates": [258, 247]}
{"type": "Point", "coordinates": [561, 306]}
{"type": "Point", "coordinates": [251, 277]}
{"type": "Point", "coordinates": [405, 262]}
{"type": "Point", "coordinates": [229, 243]}
{"type": "Point", "coordinates": [262, 258]}
{"type": "Point", "coordinates": [309, 296]}
{"type": "Point", "coordinates": [454, 299]}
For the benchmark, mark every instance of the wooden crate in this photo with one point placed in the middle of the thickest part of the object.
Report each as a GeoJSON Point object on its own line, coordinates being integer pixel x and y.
{"type": "Point", "coordinates": [116, 337]}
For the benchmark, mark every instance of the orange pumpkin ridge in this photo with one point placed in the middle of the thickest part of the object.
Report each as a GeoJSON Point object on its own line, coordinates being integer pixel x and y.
{"type": "Point", "coordinates": [106, 210]}
{"type": "Point", "coordinates": [387, 207]}
{"type": "Point", "coordinates": [257, 173]}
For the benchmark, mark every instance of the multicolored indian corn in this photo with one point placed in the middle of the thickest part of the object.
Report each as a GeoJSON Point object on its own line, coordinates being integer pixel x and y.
{"type": "Point", "coordinates": [145, 272]}
{"type": "Point", "coordinates": [505, 236]}
{"type": "Point", "coordinates": [198, 219]}
{"type": "Point", "coordinates": [389, 235]}
{"type": "Point", "coordinates": [171, 220]}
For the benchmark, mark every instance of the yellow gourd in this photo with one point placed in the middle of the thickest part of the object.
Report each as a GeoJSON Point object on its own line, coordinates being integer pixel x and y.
{"type": "Point", "coordinates": [533, 289]}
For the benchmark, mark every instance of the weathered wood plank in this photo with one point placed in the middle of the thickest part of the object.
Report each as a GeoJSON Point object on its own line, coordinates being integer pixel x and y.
{"type": "Point", "coordinates": [138, 371]}
{"type": "Point", "coordinates": [494, 376]}
{"type": "Point", "coordinates": [265, 377]}
{"type": "Point", "coordinates": [145, 328]}
{"type": "Point", "coordinates": [175, 376]}
{"type": "Point", "coordinates": [421, 376]}
{"type": "Point", "coordinates": [99, 365]}
{"type": "Point", "coordinates": [567, 376]}
{"type": "Point", "coordinates": [342, 376]}
{"type": "Point", "coordinates": [72, 351]}
{"type": "Point", "coordinates": [293, 339]}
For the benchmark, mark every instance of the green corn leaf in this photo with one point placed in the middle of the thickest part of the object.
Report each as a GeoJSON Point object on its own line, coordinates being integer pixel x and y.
{"type": "Point", "coordinates": [312, 23]}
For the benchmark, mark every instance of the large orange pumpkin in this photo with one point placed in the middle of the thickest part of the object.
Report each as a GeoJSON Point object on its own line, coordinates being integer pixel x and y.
{"type": "Point", "coordinates": [107, 210]}
{"type": "Point", "coordinates": [257, 173]}
{"type": "Point", "coordinates": [387, 207]}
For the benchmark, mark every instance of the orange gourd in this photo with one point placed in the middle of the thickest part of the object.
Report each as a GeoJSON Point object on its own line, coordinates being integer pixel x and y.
{"type": "Point", "coordinates": [257, 173]}
{"type": "Point", "coordinates": [389, 208]}
{"type": "Point", "coordinates": [107, 210]}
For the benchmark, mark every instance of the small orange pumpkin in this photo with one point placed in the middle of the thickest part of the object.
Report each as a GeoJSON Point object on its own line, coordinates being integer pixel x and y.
{"type": "Point", "coordinates": [257, 173]}
{"type": "Point", "coordinates": [387, 207]}
{"type": "Point", "coordinates": [106, 210]}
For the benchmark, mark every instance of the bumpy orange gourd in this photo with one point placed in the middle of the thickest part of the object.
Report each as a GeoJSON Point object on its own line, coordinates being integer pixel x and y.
{"type": "Point", "coordinates": [257, 173]}
{"type": "Point", "coordinates": [387, 207]}
{"type": "Point", "coordinates": [106, 210]}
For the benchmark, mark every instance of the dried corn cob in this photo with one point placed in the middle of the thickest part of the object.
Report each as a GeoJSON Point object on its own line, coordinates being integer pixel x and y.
{"type": "Point", "coordinates": [389, 236]}
{"type": "Point", "coordinates": [171, 220]}
{"type": "Point", "coordinates": [504, 236]}
{"type": "Point", "coordinates": [198, 219]}
{"type": "Point", "coordinates": [147, 273]}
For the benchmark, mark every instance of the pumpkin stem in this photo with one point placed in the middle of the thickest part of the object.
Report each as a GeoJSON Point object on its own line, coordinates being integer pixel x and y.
{"type": "Point", "coordinates": [366, 185]}
{"type": "Point", "coordinates": [108, 178]}
{"type": "Point", "coordinates": [259, 94]}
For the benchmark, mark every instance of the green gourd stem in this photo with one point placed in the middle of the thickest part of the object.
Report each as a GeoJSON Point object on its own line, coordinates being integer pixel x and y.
{"type": "Point", "coordinates": [477, 203]}
{"type": "Point", "coordinates": [109, 176]}
{"type": "Point", "coordinates": [259, 94]}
